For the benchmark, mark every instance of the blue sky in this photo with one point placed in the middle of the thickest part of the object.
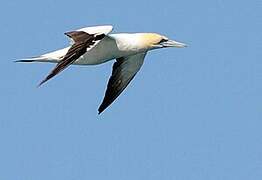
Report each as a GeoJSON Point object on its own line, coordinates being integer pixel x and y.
{"type": "Point", "coordinates": [192, 113]}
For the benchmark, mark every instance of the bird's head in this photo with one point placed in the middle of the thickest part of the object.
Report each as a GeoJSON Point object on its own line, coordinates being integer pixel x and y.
{"type": "Point", "coordinates": [155, 41]}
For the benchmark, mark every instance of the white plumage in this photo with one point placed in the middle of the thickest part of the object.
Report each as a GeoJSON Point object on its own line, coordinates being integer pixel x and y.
{"type": "Point", "coordinates": [94, 45]}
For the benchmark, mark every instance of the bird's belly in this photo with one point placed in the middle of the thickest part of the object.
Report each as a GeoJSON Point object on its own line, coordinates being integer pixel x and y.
{"type": "Point", "coordinates": [93, 59]}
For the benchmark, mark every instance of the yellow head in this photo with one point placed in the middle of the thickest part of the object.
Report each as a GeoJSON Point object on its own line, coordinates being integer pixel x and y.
{"type": "Point", "coordinates": [154, 41]}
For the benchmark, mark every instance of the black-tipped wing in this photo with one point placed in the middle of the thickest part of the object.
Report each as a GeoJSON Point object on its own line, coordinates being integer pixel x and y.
{"type": "Point", "coordinates": [124, 70]}
{"type": "Point", "coordinates": [83, 41]}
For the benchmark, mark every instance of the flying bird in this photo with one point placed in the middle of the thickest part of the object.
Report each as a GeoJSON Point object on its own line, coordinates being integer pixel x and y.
{"type": "Point", "coordinates": [96, 45]}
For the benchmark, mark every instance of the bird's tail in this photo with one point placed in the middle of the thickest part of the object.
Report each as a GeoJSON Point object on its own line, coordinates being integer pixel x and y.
{"type": "Point", "coordinates": [34, 59]}
{"type": "Point", "coordinates": [49, 57]}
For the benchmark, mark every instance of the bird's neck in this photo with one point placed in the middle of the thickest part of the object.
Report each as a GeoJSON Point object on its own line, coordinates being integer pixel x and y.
{"type": "Point", "coordinates": [130, 42]}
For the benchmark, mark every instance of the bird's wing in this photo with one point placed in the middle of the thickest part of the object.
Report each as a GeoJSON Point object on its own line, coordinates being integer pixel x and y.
{"type": "Point", "coordinates": [95, 30]}
{"type": "Point", "coordinates": [124, 70]}
{"type": "Point", "coordinates": [83, 40]}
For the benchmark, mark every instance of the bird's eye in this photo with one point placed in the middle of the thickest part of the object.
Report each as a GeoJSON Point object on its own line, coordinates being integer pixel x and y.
{"type": "Point", "coordinates": [163, 40]}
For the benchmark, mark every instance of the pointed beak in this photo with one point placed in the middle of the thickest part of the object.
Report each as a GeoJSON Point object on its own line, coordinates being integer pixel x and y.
{"type": "Point", "coordinates": [171, 43]}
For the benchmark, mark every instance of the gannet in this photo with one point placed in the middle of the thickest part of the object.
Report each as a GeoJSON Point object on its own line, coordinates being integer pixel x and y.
{"type": "Point", "coordinates": [97, 45]}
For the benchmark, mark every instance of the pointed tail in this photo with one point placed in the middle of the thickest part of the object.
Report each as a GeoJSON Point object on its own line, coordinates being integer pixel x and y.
{"type": "Point", "coordinates": [54, 56]}
{"type": "Point", "coordinates": [34, 59]}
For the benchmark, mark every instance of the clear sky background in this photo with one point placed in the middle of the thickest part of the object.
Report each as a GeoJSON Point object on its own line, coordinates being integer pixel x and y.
{"type": "Point", "coordinates": [189, 114]}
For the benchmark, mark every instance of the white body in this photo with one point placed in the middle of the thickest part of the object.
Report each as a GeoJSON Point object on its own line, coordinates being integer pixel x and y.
{"type": "Point", "coordinates": [129, 50]}
{"type": "Point", "coordinates": [111, 47]}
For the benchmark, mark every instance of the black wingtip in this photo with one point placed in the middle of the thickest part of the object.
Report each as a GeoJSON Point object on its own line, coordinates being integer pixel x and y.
{"type": "Point", "coordinates": [41, 83]}
{"type": "Point", "coordinates": [100, 110]}
{"type": "Point", "coordinates": [44, 80]}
